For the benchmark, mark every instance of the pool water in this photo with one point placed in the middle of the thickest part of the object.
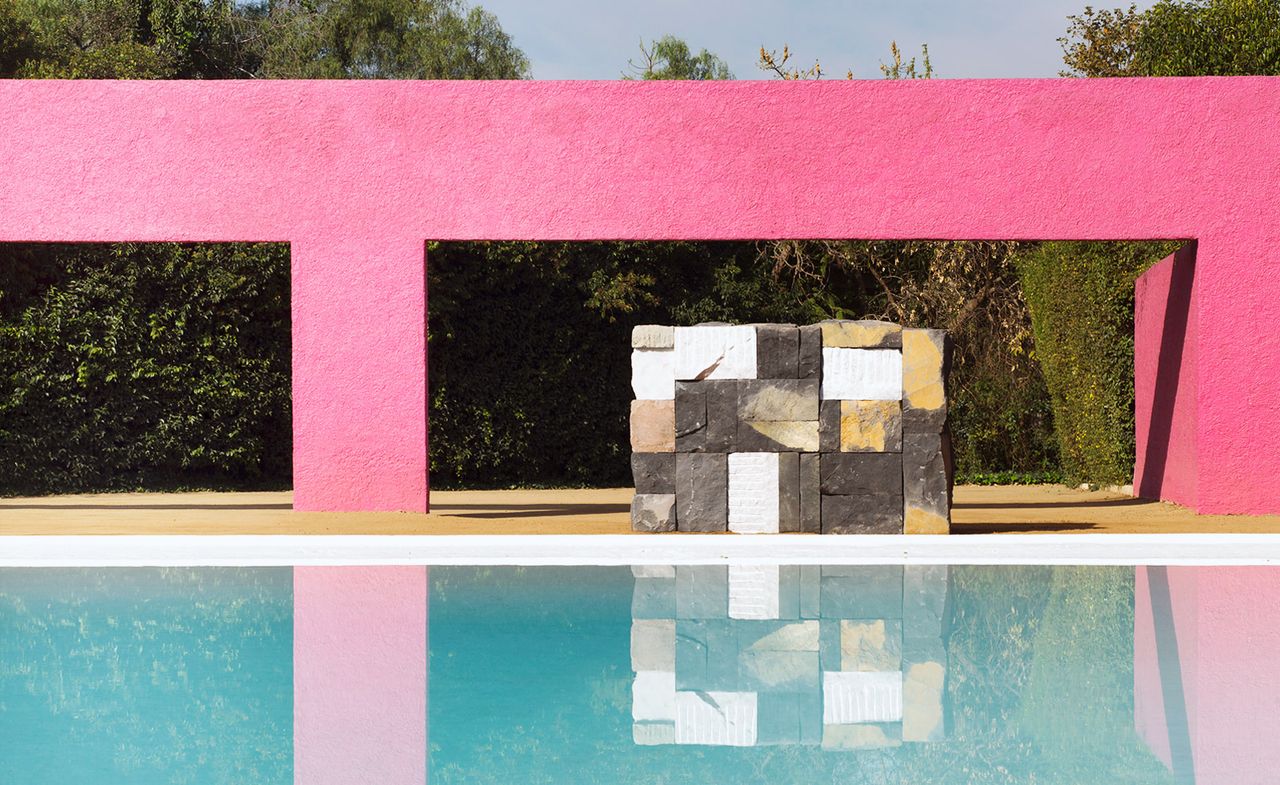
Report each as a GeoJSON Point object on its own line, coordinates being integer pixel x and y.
{"type": "Point", "coordinates": [648, 674]}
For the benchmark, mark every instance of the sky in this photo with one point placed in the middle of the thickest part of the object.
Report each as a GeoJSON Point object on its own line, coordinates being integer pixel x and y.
{"type": "Point", "coordinates": [594, 39]}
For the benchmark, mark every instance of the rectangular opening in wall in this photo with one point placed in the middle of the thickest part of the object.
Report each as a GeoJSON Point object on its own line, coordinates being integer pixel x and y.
{"type": "Point", "coordinates": [144, 366]}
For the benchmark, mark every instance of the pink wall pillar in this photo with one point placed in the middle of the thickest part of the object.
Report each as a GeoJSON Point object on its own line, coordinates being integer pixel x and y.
{"type": "Point", "coordinates": [360, 675]}
{"type": "Point", "coordinates": [360, 374]}
{"type": "Point", "coordinates": [1165, 343]}
{"type": "Point", "coordinates": [1206, 675]}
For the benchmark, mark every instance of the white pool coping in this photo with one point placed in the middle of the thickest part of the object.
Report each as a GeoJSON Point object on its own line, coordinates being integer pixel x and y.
{"type": "Point", "coordinates": [321, 550]}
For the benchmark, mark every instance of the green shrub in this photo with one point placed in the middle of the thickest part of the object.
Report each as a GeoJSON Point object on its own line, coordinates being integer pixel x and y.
{"type": "Point", "coordinates": [1081, 300]}
{"type": "Point", "coordinates": [144, 366]}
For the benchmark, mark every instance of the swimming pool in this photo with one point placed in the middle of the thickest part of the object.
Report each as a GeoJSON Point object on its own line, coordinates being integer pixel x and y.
{"type": "Point", "coordinates": [752, 672]}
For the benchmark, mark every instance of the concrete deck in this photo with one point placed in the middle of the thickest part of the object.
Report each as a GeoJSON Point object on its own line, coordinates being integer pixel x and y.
{"type": "Point", "coordinates": [977, 510]}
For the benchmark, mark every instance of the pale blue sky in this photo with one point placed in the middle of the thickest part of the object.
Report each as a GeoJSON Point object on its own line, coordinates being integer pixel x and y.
{"type": "Point", "coordinates": [586, 39]}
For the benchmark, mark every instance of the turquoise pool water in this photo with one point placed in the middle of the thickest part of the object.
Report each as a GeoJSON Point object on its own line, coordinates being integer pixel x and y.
{"type": "Point", "coordinates": [769, 674]}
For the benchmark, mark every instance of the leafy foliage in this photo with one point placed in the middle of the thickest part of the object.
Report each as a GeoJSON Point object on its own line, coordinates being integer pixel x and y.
{"type": "Point", "coordinates": [670, 57]}
{"type": "Point", "coordinates": [155, 366]}
{"type": "Point", "coordinates": [1081, 300]}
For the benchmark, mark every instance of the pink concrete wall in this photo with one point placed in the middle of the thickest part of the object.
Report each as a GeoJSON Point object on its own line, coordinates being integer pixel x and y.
{"type": "Point", "coordinates": [1165, 380]}
{"type": "Point", "coordinates": [355, 174]}
{"type": "Point", "coordinates": [1227, 630]}
{"type": "Point", "coordinates": [360, 675]}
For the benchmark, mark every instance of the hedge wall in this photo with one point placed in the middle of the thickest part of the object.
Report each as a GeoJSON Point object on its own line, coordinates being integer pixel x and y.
{"type": "Point", "coordinates": [1081, 300]}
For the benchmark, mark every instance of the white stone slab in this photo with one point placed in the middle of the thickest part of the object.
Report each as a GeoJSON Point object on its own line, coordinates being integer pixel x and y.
{"type": "Point", "coordinates": [653, 571]}
{"type": "Point", "coordinates": [653, 374]}
{"type": "Point", "coordinates": [753, 492]}
{"type": "Point", "coordinates": [850, 697]}
{"type": "Point", "coordinates": [650, 734]}
{"type": "Point", "coordinates": [653, 696]}
{"type": "Point", "coordinates": [653, 336]}
{"type": "Point", "coordinates": [861, 374]}
{"type": "Point", "coordinates": [715, 352]}
{"type": "Point", "coordinates": [753, 591]}
{"type": "Point", "coordinates": [718, 718]}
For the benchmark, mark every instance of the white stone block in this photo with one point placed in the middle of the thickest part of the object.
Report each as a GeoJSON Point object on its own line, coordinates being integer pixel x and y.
{"type": "Point", "coordinates": [719, 718]}
{"type": "Point", "coordinates": [850, 697]}
{"type": "Point", "coordinates": [653, 374]}
{"type": "Point", "coordinates": [653, 696]}
{"type": "Point", "coordinates": [753, 591]}
{"type": "Point", "coordinates": [650, 734]}
{"type": "Point", "coordinates": [653, 336]}
{"type": "Point", "coordinates": [715, 352]}
{"type": "Point", "coordinates": [753, 492]}
{"type": "Point", "coordinates": [861, 374]}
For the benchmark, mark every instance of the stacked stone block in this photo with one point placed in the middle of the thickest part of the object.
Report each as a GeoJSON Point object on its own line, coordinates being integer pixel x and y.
{"type": "Point", "coordinates": [754, 655]}
{"type": "Point", "coordinates": [838, 428]}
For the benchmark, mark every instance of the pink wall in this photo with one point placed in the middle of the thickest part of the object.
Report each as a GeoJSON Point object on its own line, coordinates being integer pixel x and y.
{"type": "Point", "coordinates": [360, 675]}
{"type": "Point", "coordinates": [1227, 630]}
{"type": "Point", "coordinates": [1165, 382]}
{"type": "Point", "coordinates": [356, 175]}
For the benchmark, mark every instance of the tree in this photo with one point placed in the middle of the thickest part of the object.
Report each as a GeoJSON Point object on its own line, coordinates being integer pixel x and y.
{"type": "Point", "coordinates": [1175, 38]}
{"type": "Point", "coordinates": [670, 58]}
{"type": "Point", "coordinates": [389, 39]}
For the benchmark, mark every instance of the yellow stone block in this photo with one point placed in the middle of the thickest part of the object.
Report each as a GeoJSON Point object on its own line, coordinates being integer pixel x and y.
{"type": "Point", "coordinates": [860, 335]}
{"type": "Point", "coordinates": [922, 383]}
{"type": "Point", "coordinates": [653, 426]}
{"type": "Point", "coordinates": [870, 646]}
{"type": "Point", "coordinates": [918, 521]}
{"type": "Point", "coordinates": [922, 702]}
{"type": "Point", "coordinates": [799, 435]}
{"type": "Point", "coordinates": [870, 426]}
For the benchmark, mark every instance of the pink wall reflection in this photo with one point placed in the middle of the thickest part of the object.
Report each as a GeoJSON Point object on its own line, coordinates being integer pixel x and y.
{"type": "Point", "coordinates": [360, 675]}
{"type": "Point", "coordinates": [1207, 671]}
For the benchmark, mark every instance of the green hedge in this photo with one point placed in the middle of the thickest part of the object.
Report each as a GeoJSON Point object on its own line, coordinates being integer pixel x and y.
{"type": "Point", "coordinates": [144, 366]}
{"type": "Point", "coordinates": [1081, 300]}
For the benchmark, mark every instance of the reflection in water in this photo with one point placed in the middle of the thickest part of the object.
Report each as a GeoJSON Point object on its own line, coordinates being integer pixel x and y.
{"type": "Point", "coordinates": [842, 657]}
{"type": "Point", "coordinates": [744, 674]}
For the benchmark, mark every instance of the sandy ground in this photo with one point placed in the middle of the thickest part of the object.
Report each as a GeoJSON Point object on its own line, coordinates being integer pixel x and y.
{"type": "Point", "coordinates": [1014, 509]}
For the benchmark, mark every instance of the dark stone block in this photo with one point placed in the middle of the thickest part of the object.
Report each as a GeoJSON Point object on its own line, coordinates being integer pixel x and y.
{"type": "Point", "coordinates": [926, 482]}
{"type": "Point", "coordinates": [810, 494]}
{"type": "Point", "coordinates": [860, 592]}
{"type": "Point", "coordinates": [865, 513]}
{"type": "Point", "coordinates": [777, 351]}
{"type": "Point", "coordinates": [810, 591]}
{"type": "Point", "coordinates": [654, 598]}
{"type": "Point", "coordinates": [722, 415]}
{"type": "Point", "coordinates": [829, 427]}
{"type": "Point", "coordinates": [924, 599]}
{"type": "Point", "coordinates": [849, 474]}
{"type": "Point", "coordinates": [809, 363]}
{"type": "Point", "coordinates": [691, 416]}
{"type": "Point", "coordinates": [789, 492]}
{"type": "Point", "coordinates": [654, 472]}
{"type": "Point", "coordinates": [702, 592]}
{"type": "Point", "coordinates": [702, 492]}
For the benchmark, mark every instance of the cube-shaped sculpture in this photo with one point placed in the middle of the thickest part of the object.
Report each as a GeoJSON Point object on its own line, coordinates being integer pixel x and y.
{"type": "Point", "coordinates": [835, 428]}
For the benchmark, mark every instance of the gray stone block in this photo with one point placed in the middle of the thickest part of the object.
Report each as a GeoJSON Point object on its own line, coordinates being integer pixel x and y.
{"type": "Point", "coordinates": [778, 718]}
{"type": "Point", "coordinates": [864, 592]}
{"type": "Point", "coordinates": [777, 399]}
{"type": "Point", "coordinates": [829, 426]}
{"type": "Point", "coordinates": [702, 592]}
{"type": "Point", "coordinates": [722, 416]}
{"type": "Point", "coordinates": [810, 591]}
{"type": "Point", "coordinates": [777, 351]}
{"type": "Point", "coordinates": [653, 512]}
{"type": "Point", "coordinates": [924, 599]}
{"type": "Point", "coordinates": [926, 483]}
{"type": "Point", "coordinates": [691, 654]}
{"type": "Point", "coordinates": [654, 598]}
{"type": "Point", "coordinates": [810, 493]}
{"type": "Point", "coordinates": [654, 472]}
{"type": "Point", "coordinates": [691, 416]}
{"type": "Point", "coordinates": [849, 474]}
{"type": "Point", "coordinates": [706, 655]}
{"type": "Point", "coordinates": [788, 492]}
{"type": "Point", "coordinates": [789, 592]}
{"type": "Point", "coordinates": [809, 364]}
{"type": "Point", "coordinates": [702, 492]}
{"type": "Point", "coordinates": [865, 513]}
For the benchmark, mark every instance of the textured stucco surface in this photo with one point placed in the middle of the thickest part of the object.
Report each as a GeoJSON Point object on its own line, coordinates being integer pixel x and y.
{"type": "Point", "coordinates": [356, 175]}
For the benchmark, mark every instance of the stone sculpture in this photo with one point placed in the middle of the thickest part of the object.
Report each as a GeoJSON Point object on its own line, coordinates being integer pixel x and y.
{"type": "Point", "coordinates": [835, 428]}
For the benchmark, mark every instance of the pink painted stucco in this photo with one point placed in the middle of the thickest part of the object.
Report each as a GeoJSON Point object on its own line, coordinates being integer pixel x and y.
{"type": "Point", "coordinates": [357, 175]}
{"type": "Point", "coordinates": [1227, 629]}
{"type": "Point", "coordinates": [360, 675]}
{"type": "Point", "coordinates": [1165, 380]}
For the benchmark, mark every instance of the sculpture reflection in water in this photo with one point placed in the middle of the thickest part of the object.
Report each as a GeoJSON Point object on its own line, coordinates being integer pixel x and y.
{"type": "Point", "coordinates": [754, 655]}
